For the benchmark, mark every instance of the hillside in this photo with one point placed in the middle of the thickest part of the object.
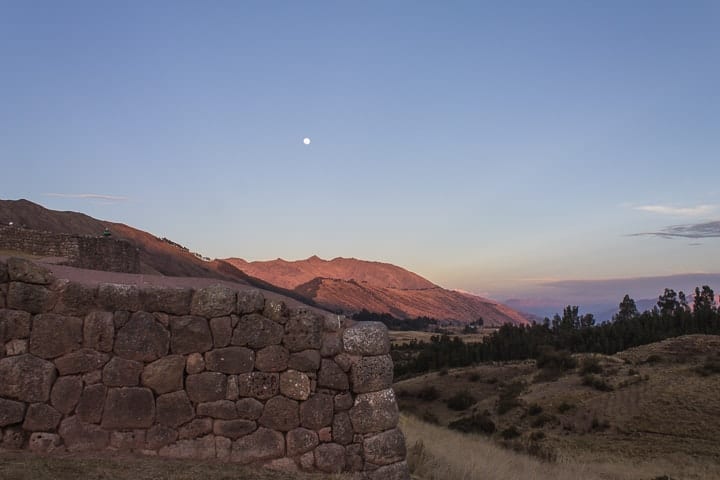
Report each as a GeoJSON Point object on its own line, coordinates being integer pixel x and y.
{"type": "Point", "coordinates": [350, 285]}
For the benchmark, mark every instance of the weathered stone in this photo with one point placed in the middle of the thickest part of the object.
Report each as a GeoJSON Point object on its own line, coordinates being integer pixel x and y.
{"type": "Point", "coordinates": [223, 446]}
{"type": "Point", "coordinates": [206, 387]}
{"type": "Point", "coordinates": [4, 277]}
{"type": "Point", "coordinates": [345, 361]}
{"type": "Point", "coordinates": [22, 270]}
{"type": "Point", "coordinates": [342, 431]}
{"type": "Point", "coordinates": [305, 361]}
{"type": "Point", "coordinates": [3, 295]}
{"type": "Point", "coordinates": [160, 435]}
{"type": "Point", "coordinates": [332, 376]}
{"type": "Point", "coordinates": [174, 409]}
{"type": "Point", "coordinates": [367, 338]}
{"type": "Point", "coordinates": [120, 318]}
{"type": "Point", "coordinates": [230, 360]}
{"type": "Point", "coordinates": [41, 417]}
{"type": "Point", "coordinates": [26, 378]}
{"type": "Point", "coordinates": [233, 392]}
{"type": "Point", "coordinates": [301, 440]}
{"type": "Point", "coordinates": [16, 347]}
{"type": "Point", "coordinates": [249, 408]}
{"type": "Point", "coordinates": [66, 393]}
{"type": "Point", "coordinates": [142, 339]}
{"type": "Point", "coordinates": [250, 301]}
{"type": "Point", "coordinates": [259, 385]}
{"type": "Point", "coordinates": [331, 344]}
{"type": "Point", "coordinates": [385, 448]}
{"type": "Point", "coordinates": [371, 374]}
{"type": "Point", "coordinates": [396, 471]}
{"type": "Point", "coordinates": [14, 324]}
{"type": "Point", "coordinates": [333, 323]}
{"type": "Point", "coordinates": [343, 401]}
{"type": "Point", "coordinates": [54, 335]}
{"type": "Point", "coordinates": [233, 428]}
{"type": "Point", "coordinates": [263, 444]}
{"type": "Point", "coordinates": [92, 401]}
{"type": "Point", "coordinates": [119, 372]}
{"type": "Point", "coordinates": [280, 413]}
{"type": "Point", "coordinates": [272, 359]}
{"type": "Point", "coordinates": [80, 436]}
{"type": "Point", "coordinates": [275, 310]}
{"type": "Point", "coordinates": [196, 428]}
{"type": "Point", "coordinates": [307, 461]}
{"type": "Point", "coordinates": [11, 412]}
{"type": "Point", "coordinates": [99, 331]}
{"type": "Point", "coordinates": [76, 299]}
{"type": "Point", "coordinates": [374, 412]}
{"type": "Point", "coordinates": [164, 375]}
{"type": "Point", "coordinates": [13, 438]}
{"type": "Point", "coordinates": [353, 458]}
{"type": "Point", "coordinates": [81, 361]}
{"type": "Point", "coordinates": [317, 411]}
{"type": "Point", "coordinates": [92, 378]}
{"type": "Point", "coordinates": [223, 409]}
{"type": "Point", "coordinates": [129, 407]}
{"type": "Point", "coordinates": [214, 301]}
{"type": "Point", "coordinates": [189, 334]}
{"type": "Point", "coordinates": [325, 434]}
{"type": "Point", "coordinates": [257, 331]}
{"type": "Point", "coordinates": [113, 297]}
{"type": "Point", "coordinates": [174, 301]}
{"type": "Point", "coordinates": [127, 441]}
{"type": "Point", "coordinates": [295, 385]}
{"type": "Point", "coordinates": [221, 329]}
{"type": "Point", "coordinates": [195, 363]}
{"type": "Point", "coordinates": [30, 298]}
{"type": "Point", "coordinates": [303, 332]}
{"type": "Point", "coordinates": [286, 465]}
{"type": "Point", "coordinates": [44, 442]}
{"type": "Point", "coordinates": [199, 448]}
{"type": "Point", "coordinates": [330, 458]}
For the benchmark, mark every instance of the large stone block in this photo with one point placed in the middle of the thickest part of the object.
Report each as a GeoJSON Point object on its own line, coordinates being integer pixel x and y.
{"type": "Point", "coordinates": [196, 428]}
{"type": "Point", "coordinates": [249, 408]}
{"type": "Point", "coordinates": [15, 347]}
{"type": "Point", "coordinates": [263, 444]}
{"type": "Point", "coordinates": [276, 310]}
{"type": "Point", "coordinates": [174, 409]}
{"type": "Point", "coordinates": [233, 429]}
{"type": "Point", "coordinates": [81, 361]}
{"type": "Point", "coordinates": [385, 448]}
{"type": "Point", "coordinates": [119, 372]}
{"type": "Point", "coordinates": [342, 430]}
{"type": "Point", "coordinates": [80, 436]}
{"type": "Point", "coordinates": [221, 409]}
{"type": "Point", "coordinates": [44, 442]}
{"type": "Point", "coordinates": [221, 329]}
{"type": "Point", "coordinates": [165, 375]}
{"type": "Point", "coordinates": [272, 359]}
{"type": "Point", "coordinates": [231, 360]}
{"type": "Point", "coordinates": [113, 297]}
{"type": "Point", "coordinates": [11, 412]}
{"type": "Point", "coordinates": [374, 412]}
{"type": "Point", "coordinates": [367, 338]}
{"type": "Point", "coordinates": [76, 299]}
{"type": "Point", "coordinates": [396, 471]}
{"type": "Point", "coordinates": [198, 449]}
{"type": "Point", "coordinates": [195, 363]}
{"type": "Point", "coordinates": [55, 335]}
{"type": "Point", "coordinates": [142, 339]}
{"type": "Point", "coordinates": [331, 344]}
{"type": "Point", "coordinates": [250, 301]}
{"type": "Point", "coordinates": [127, 441]}
{"type": "Point", "coordinates": [281, 414]}
{"type": "Point", "coordinates": [330, 458]}
{"type": "Point", "coordinates": [14, 324]}
{"type": "Point", "coordinates": [30, 298]}
{"type": "Point", "coordinates": [332, 376]}
{"type": "Point", "coordinates": [22, 270]}
{"type": "Point", "coordinates": [99, 331]}
{"type": "Point", "coordinates": [92, 401]}
{"type": "Point", "coordinates": [66, 393]}
{"type": "Point", "coordinates": [370, 374]}
{"type": "Point", "coordinates": [13, 438]}
{"type": "Point", "coordinates": [214, 301]}
{"type": "Point", "coordinates": [259, 385]}
{"type": "Point", "coordinates": [295, 385]}
{"type": "Point", "coordinates": [173, 301]}
{"type": "Point", "coordinates": [256, 331]}
{"type": "Point", "coordinates": [190, 334]}
{"type": "Point", "coordinates": [206, 386]}
{"type": "Point", "coordinates": [160, 435]}
{"type": "Point", "coordinates": [127, 408]}
{"type": "Point", "coordinates": [26, 378]}
{"type": "Point", "coordinates": [41, 417]}
{"type": "Point", "coordinates": [305, 361]}
{"type": "Point", "coordinates": [317, 411]}
{"type": "Point", "coordinates": [343, 401]}
{"type": "Point", "coordinates": [303, 331]}
{"type": "Point", "coordinates": [301, 440]}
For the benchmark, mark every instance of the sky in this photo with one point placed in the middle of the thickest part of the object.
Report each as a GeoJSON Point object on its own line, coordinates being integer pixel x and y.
{"type": "Point", "coordinates": [494, 147]}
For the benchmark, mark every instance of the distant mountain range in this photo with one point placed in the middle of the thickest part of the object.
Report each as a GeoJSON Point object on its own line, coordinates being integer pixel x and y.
{"type": "Point", "coordinates": [345, 284]}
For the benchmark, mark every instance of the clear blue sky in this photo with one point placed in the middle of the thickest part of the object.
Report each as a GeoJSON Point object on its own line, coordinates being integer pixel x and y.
{"type": "Point", "coordinates": [487, 146]}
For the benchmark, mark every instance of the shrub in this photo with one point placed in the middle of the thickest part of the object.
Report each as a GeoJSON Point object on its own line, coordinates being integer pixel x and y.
{"type": "Point", "coordinates": [508, 398]}
{"type": "Point", "coordinates": [475, 423]}
{"type": "Point", "coordinates": [541, 420]}
{"type": "Point", "coordinates": [710, 367]}
{"type": "Point", "coordinates": [555, 359]}
{"type": "Point", "coordinates": [428, 393]}
{"type": "Point", "coordinates": [430, 417]}
{"type": "Point", "coordinates": [534, 409]}
{"type": "Point", "coordinates": [654, 358]}
{"type": "Point", "coordinates": [599, 425]}
{"type": "Point", "coordinates": [591, 365]}
{"type": "Point", "coordinates": [565, 406]}
{"type": "Point", "coordinates": [510, 432]}
{"type": "Point", "coordinates": [443, 372]}
{"type": "Point", "coordinates": [492, 380]}
{"type": "Point", "coordinates": [474, 377]}
{"type": "Point", "coordinates": [537, 435]}
{"type": "Point", "coordinates": [460, 401]}
{"type": "Point", "coordinates": [632, 372]}
{"type": "Point", "coordinates": [597, 383]}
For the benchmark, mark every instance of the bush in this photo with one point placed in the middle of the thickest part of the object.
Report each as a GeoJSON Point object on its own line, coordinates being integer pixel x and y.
{"type": "Point", "coordinates": [430, 417]}
{"type": "Point", "coordinates": [591, 365]}
{"type": "Point", "coordinates": [632, 372]}
{"type": "Point", "coordinates": [510, 432]}
{"type": "Point", "coordinates": [549, 358]}
{"type": "Point", "coordinates": [534, 409]}
{"type": "Point", "coordinates": [428, 393]}
{"type": "Point", "coordinates": [597, 383]}
{"type": "Point", "coordinates": [460, 401]}
{"type": "Point", "coordinates": [492, 380]}
{"type": "Point", "coordinates": [537, 436]}
{"type": "Point", "coordinates": [654, 358]}
{"type": "Point", "coordinates": [599, 425]}
{"type": "Point", "coordinates": [443, 372]}
{"type": "Point", "coordinates": [509, 397]}
{"type": "Point", "coordinates": [474, 377]}
{"type": "Point", "coordinates": [710, 367]}
{"type": "Point", "coordinates": [476, 423]}
{"type": "Point", "coordinates": [541, 420]}
{"type": "Point", "coordinates": [565, 406]}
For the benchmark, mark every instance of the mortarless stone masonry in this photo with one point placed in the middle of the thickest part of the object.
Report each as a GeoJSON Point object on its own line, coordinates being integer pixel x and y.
{"type": "Point", "coordinates": [228, 376]}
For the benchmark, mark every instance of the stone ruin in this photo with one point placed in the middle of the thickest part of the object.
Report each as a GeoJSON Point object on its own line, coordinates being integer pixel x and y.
{"type": "Point", "coordinates": [201, 374]}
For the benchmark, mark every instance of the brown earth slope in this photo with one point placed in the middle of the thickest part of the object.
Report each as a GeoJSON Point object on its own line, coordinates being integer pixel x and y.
{"type": "Point", "coordinates": [351, 285]}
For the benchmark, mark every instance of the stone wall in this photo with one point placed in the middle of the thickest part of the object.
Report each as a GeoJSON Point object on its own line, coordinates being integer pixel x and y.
{"type": "Point", "coordinates": [96, 253]}
{"type": "Point", "coordinates": [207, 374]}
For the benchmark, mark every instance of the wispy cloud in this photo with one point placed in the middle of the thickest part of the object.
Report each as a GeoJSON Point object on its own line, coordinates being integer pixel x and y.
{"type": "Point", "coordinates": [696, 211]}
{"type": "Point", "coordinates": [88, 196]}
{"type": "Point", "coordinates": [695, 230]}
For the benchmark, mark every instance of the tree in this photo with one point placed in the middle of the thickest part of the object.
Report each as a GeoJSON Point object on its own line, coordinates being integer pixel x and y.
{"type": "Point", "coordinates": [667, 302]}
{"type": "Point", "coordinates": [627, 310]}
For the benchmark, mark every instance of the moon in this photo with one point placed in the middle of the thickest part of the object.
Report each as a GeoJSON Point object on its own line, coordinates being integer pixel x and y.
{"type": "Point", "coordinates": [306, 141]}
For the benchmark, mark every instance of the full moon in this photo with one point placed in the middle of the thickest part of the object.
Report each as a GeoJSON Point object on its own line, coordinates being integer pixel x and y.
{"type": "Point", "coordinates": [306, 141]}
